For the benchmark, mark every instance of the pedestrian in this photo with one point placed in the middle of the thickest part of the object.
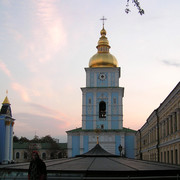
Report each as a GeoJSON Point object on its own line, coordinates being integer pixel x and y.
{"type": "Point", "coordinates": [37, 168]}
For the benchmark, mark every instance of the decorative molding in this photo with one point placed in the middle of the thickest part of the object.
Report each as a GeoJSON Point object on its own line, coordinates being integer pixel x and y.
{"type": "Point", "coordinates": [7, 123]}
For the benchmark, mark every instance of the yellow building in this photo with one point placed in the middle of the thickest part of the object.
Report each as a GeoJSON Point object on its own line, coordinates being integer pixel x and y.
{"type": "Point", "coordinates": [159, 138]}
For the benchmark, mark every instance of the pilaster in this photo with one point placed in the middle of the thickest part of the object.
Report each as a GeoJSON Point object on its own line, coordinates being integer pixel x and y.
{"type": "Point", "coordinates": [178, 118]}
{"type": "Point", "coordinates": [109, 110]}
{"type": "Point", "coordinates": [94, 111]}
{"type": "Point", "coordinates": [7, 141]}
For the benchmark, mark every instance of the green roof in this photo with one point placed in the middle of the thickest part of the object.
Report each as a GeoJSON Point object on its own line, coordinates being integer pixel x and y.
{"type": "Point", "coordinates": [103, 130]}
{"type": "Point", "coordinates": [25, 145]}
{"type": "Point", "coordinates": [20, 145]}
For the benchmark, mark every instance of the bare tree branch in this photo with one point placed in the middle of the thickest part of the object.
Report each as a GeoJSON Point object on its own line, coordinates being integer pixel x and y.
{"type": "Point", "coordinates": [137, 4]}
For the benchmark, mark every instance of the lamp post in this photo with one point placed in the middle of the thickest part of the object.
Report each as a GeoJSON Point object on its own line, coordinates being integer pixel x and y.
{"type": "Point", "coordinates": [120, 149]}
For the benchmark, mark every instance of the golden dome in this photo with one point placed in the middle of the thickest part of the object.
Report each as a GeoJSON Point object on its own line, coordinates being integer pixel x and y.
{"type": "Point", "coordinates": [103, 58]}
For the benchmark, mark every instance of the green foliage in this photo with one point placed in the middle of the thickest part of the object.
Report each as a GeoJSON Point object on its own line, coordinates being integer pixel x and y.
{"type": "Point", "coordinates": [15, 139]}
{"type": "Point", "coordinates": [23, 139]}
{"type": "Point", "coordinates": [47, 139]}
{"type": "Point", "coordinates": [36, 139]}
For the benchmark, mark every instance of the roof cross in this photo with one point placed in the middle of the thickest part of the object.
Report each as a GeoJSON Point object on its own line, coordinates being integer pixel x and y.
{"type": "Point", "coordinates": [103, 19]}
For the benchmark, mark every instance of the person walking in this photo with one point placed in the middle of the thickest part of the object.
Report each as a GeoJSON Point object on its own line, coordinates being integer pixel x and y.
{"type": "Point", "coordinates": [37, 168]}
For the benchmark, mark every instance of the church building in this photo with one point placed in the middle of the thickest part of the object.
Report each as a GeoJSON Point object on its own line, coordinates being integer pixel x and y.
{"type": "Point", "coordinates": [102, 108]}
{"type": "Point", "coordinates": [6, 133]}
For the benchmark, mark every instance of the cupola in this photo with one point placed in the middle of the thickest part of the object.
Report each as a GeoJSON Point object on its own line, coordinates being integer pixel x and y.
{"type": "Point", "coordinates": [103, 58]}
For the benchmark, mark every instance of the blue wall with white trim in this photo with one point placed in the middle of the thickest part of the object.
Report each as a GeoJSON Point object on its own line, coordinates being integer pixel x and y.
{"type": "Point", "coordinates": [75, 145]}
{"type": "Point", "coordinates": [129, 146]}
{"type": "Point", "coordinates": [2, 139]}
{"type": "Point", "coordinates": [85, 144]}
{"type": "Point", "coordinates": [117, 143]}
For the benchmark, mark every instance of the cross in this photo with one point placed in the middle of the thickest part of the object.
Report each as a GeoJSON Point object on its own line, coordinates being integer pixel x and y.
{"type": "Point", "coordinates": [6, 92]}
{"type": "Point", "coordinates": [103, 19]}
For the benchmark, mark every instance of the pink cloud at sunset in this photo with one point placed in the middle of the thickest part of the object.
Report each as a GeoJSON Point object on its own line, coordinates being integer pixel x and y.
{"type": "Point", "coordinates": [4, 68]}
{"type": "Point", "coordinates": [22, 91]}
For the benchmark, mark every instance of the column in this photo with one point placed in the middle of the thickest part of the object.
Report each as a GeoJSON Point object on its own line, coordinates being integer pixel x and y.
{"type": "Point", "coordinates": [95, 79]}
{"type": "Point", "coordinates": [94, 110]}
{"type": "Point", "coordinates": [69, 146]}
{"type": "Point", "coordinates": [83, 110]}
{"type": "Point", "coordinates": [109, 110]}
{"type": "Point", "coordinates": [169, 119]}
{"type": "Point", "coordinates": [11, 154]}
{"type": "Point", "coordinates": [123, 143]}
{"type": "Point", "coordinates": [7, 141]}
{"type": "Point", "coordinates": [167, 126]}
{"type": "Point", "coordinates": [109, 79]}
{"type": "Point", "coordinates": [178, 118]}
{"type": "Point", "coordinates": [81, 144]}
{"type": "Point", "coordinates": [120, 109]}
{"type": "Point", "coordinates": [173, 119]}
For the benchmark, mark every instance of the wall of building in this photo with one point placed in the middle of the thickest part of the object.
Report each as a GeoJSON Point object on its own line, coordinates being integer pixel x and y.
{"type": "Point", "coordinates": [2, 138]}
{"type": "Point", "coordinates": [22, 152]}
{"type": "Point", "coordinates": [80, 142]}
{"type": "Point", "coordinates": [159, 138]}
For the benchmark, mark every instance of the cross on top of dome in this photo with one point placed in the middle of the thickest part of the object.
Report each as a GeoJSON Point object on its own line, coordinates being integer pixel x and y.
{"type": "Point", "coordinates": [103, 19]}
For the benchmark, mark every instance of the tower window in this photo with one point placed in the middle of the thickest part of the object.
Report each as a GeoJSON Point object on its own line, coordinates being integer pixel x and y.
{"type": "Point", "coordinates": [102, 109]}
{"type": "Point", "coordinates": [89, 101]}
{"type": "Point", "coordinates": [114, 100]}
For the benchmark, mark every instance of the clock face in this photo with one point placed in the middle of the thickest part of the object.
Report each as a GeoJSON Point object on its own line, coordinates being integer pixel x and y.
{"type": "Point", "coordinates": [102, 76]}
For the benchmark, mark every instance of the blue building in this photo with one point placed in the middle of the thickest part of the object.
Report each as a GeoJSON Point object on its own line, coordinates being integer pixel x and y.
{"type": "Point", "coordinates": [102, 108]}
{"type": "Point", "coordinates": [6, 132]}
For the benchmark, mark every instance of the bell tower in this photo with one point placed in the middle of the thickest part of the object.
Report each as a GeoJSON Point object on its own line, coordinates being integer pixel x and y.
{"type": "Point", "coordinates": [102, 106]}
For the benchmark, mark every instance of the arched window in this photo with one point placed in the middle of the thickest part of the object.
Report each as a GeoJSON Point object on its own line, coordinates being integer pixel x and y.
{"type": "Point", "coordinates": [102, 109]}
{"type": "Point", "coordinates": [17, 155]}
{"type": "Point", "coordinates": [44, 155]}
{"type": "Point", "coordinates": [52, 155]}
{"type": "Point", "coordinates": [25, 155]}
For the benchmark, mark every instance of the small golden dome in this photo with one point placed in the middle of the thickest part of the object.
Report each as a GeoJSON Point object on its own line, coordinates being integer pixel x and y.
{"type": "Point", "coordinates": [6, 101]}
{"type": "Point", "coordinates": [103, 58]}
{"type": "Point", "coordinates": [103, 32]}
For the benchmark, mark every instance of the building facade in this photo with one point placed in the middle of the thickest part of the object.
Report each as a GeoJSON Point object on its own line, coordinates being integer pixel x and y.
{"type": "Point", "coordinates": [22, 152]}
{"type": "Point", "coordinates": [6, 132]}
{"type": "Point", "coordinates": [102, 107]}
{"type": "Point", "coordinates": [159, 138]}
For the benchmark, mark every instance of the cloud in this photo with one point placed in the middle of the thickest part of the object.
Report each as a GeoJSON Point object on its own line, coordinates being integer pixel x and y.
{"type": "Point", "coordinates": [4, 68]}
{"type": "Point", "coordinates": [21, 90]}
{"type": "Point", "coordinates": [48, 36]}
{"type": "Point", "coordinates": [26, 124]}
{"type": "Point", "coordinates": [171, 63]}
{"type": "Point", "coordinates": [41, 109]}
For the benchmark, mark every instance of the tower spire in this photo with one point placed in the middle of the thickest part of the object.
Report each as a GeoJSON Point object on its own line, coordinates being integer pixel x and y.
{"type": "Point", "coordinates": [6, 100]}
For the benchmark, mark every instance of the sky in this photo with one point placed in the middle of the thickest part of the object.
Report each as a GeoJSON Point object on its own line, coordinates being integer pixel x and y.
{"type": "Point", "coordinates": [46, 44]}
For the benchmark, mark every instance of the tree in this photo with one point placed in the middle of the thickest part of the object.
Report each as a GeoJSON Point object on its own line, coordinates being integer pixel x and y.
{"type": "Point", "coordinates": [137, 4]}
{"type": "Point", "coordinates": [35, 139]}
{"type": "Point", "coordinates": [47, 139]}
{"type": "Point", "coordinates": [23, 139]}
{"type": "Point", "coordinates": [15, 139]}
